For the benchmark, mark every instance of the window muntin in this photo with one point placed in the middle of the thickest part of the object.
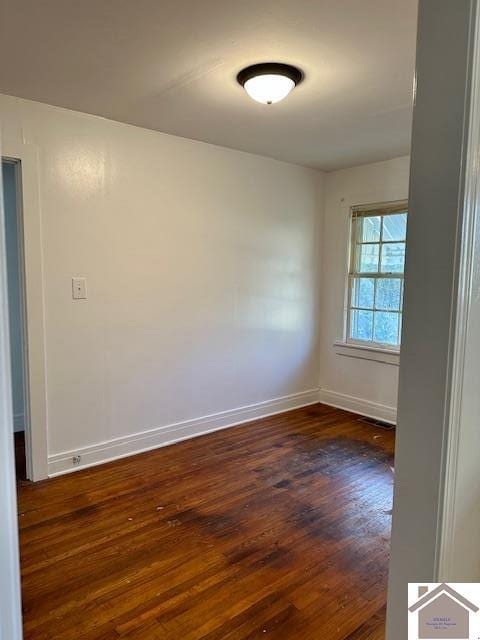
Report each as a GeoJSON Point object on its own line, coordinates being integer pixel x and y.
{"type": "Point", "coordinates": [375, 281]}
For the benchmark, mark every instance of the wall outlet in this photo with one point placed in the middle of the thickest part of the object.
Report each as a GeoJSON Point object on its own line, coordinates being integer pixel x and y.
{"type": "Point", "coordinates": [76, 459]}
{"type": "Point", "coordinates": [79, 288]}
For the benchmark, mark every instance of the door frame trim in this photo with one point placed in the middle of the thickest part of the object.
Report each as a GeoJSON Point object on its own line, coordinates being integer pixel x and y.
{"type": "Point", "coordinates": [10, 602]}
{"type": "Point", "coordinates": [467, 250]}
{"type": "Point", "coordinates": [29, 214]}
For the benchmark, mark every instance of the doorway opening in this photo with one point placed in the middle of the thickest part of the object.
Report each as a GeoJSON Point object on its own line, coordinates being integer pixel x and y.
{"type": "Point", "coordinates": [12, 199]}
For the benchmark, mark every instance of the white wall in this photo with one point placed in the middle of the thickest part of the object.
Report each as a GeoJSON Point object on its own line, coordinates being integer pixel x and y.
{"type": "Point", "coordinates": [361, 385]}
{"type": "Point", "coordinates": [202, 267]}
{"type": "Point", "coordinates": [14, 293]}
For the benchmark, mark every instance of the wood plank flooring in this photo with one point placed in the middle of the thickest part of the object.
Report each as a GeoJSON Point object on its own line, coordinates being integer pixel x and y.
{"type": "Point", "coordinates": [276, 529]}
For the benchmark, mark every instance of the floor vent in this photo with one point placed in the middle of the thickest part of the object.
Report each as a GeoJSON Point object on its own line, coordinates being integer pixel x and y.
{"type": "Point", "coordinates": [378, 423]}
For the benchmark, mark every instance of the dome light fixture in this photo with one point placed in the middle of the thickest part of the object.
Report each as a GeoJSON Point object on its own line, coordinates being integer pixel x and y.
{"type": "Point", "coordinates": [269, 82]}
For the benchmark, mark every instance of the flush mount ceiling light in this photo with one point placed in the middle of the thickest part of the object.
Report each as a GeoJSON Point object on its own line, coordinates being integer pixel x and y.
{"type": "Point", "coordinates": [269, 82]}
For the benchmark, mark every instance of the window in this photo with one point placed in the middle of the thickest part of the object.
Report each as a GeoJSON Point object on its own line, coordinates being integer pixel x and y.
{"type": "Point", "coordinates": [375, 280]}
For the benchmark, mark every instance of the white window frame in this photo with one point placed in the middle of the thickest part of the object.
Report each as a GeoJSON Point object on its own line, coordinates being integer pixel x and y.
{"type": "Point", "coordinates": [381, 210]}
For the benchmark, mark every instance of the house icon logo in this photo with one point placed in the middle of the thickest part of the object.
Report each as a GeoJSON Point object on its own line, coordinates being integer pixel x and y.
{"type": "Point", "coordinates": [443, 612]}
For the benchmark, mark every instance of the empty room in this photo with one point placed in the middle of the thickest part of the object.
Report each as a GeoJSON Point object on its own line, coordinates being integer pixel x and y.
{"type": "Point", "coordinates": [205, 224]}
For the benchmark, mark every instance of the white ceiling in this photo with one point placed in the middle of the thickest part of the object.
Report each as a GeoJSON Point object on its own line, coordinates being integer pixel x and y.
{"type": "Point", "coordinates": [170, 65]}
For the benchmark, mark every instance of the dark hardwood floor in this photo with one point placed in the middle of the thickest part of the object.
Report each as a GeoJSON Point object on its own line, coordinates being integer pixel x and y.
{"type": "Point", "coordinates": [276, 529]}
{"type": "Point", "coordinates": [20, 460]}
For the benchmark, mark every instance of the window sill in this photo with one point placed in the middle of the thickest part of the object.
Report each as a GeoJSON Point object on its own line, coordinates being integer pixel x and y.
{"type": "Point", "coordinates": [366, 352]}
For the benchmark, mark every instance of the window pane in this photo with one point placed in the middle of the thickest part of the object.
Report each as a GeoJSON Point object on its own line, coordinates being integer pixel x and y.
{"type": "Point", "coordinates": [386, 328]}
{"type": "Point", "coordinates": [367, 258]}
{"type": "Point", "coordinates": [361, 325]}
{"type": "Point", "coordinates": [370, 229]}
{"type": "Point", "coordinates": [363, 293]}
{"type": "Point", "coordinates": [388, 294]}
{"type": "Point", "coordinates": [393, 257]}
{"type": "Point", "coordinates": [395, 226]}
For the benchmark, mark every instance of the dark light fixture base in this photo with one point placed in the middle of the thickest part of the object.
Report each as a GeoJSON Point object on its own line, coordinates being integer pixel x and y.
{"type": "Point", "coordinates": [270, 68]}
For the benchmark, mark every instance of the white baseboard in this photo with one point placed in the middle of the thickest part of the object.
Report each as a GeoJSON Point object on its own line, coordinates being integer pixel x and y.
{"type": "Point", "coordinates": [116, 448]}
{"type": "Point", "coordinates": [19, 422]}
{"type": "Point", "coordinates": [358, 405]}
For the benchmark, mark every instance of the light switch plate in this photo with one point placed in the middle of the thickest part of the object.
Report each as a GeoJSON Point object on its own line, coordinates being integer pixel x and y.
{"type": "Point", "coordinates": [79, 288]}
